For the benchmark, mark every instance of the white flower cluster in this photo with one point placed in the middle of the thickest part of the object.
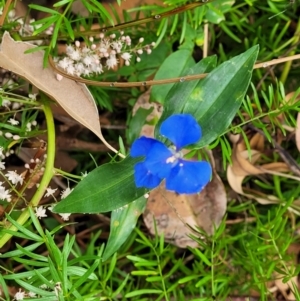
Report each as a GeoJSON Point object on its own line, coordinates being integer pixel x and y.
{"type": "Point", "coordinates": [25, 29]}
{"type": "Point", "coordinates": [41, 211]}
{"type": "Point", "coordinates": [14, 179]}
{"type": "Point", "coordinates": [105, 54]}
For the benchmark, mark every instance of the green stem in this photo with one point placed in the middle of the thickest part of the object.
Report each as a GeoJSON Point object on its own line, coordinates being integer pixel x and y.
{"type": "Point", "coordinates": [67, 174]}
{"type": "Point", "coordinates": [47, 176]}
{"type": "Point", "coordinates": [288, 64]}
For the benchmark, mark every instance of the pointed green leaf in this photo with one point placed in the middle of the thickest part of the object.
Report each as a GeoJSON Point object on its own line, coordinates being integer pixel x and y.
{"type": "Point", "coordinates": [122, 222]}
{"type": "Point", "coordinates": [106, 188]}
{"type": "Point", "coordinates": [181, 93]}
{"type": "Point", "coordinates": [175, 65]}
{"type": "Point", "coordinates": [137, 122]}
{"type": "Point", "coordinates": [214, 100]}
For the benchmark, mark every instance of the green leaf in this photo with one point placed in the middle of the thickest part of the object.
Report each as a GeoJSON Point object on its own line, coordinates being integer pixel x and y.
{"type": "Point", "coordinates": [214, 100]}
{"type": "Point", "coordinates": [4, 288]}
{"type": "Point", "coordinates": [143, 292]}
{"type": "Point", "coordinates": [69, 28]}
{"type": "Point", "coordinates": [137, 122]}
{"type": "Point", "coordinates": [122, 222]}
{"type": "Point", "coordinates": [43, 9]}
{"type": "Point", "coordinates": [181, 93]}
{"type": "Point", "coordinates": [217, 98]}
{"type": "Point", "coordinates": [106, 188]}
{"type": "Point", "coordinates": [61, 3]}
{"type": "Point", "coordinates": [175, 65]}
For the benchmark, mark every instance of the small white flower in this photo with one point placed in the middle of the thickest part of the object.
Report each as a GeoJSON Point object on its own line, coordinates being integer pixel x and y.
{"type": "Point", "coordinates": [13, 121]}
{"type": "Point", "coordinates": [31, 294]}
{"type": "Point", "coordinates": [88, 60]}
{"type": "Point", "coordinates": [14, 178]}
{"type": "Point", "coordinates": [4, 194]}
{"type": "Point", "coordinates": [126, 56]}
{"type": "Point", "coordinates": [75, 55]}
{"type": "Point", "coordinates": [79, 67]}
{"type": "Point", "coordinates": [70, 69]}
{"type": "Point", "coordinates": [65, 216]}
{"type": "Point", "coordinates": [70, 49]}
{"type": "Point", "coordinates": [19, 295]}
{"type": "Point", "coordinates": [49, 192]}
{"type": "Point", "coordinates": [65, 63]}
{"type": "Point", "coordinates": [6, 103]}
{"type": "Point", "coordinates": [111, 62]}
{"type": "Point", "coordinates": [84, 174]}
{"type": "Point", "coordinates": [117, 45]}
{"type": "Point", "coordinates": [40, 212]}
{"type": "Point", "coordinates": [66, 192]}
{"type": "Point", "coordinates": [32, 96]}
{"type": "Point", "coordinates": [44, 286]}
{"type": "Point", "coordinates": [2, 165]}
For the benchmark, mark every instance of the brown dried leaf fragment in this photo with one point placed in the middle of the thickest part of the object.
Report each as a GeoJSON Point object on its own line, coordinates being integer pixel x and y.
{"type": "Point", "coordinates": [173, 213]}
{"type": "Point", "coordinates": [74, 97]}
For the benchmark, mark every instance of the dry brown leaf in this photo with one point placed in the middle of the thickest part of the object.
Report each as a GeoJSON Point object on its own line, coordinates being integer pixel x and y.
{"type": "Point", "coordinates": [143, 102]}
{"type": "Point", "coordinates": [74, 97]}
{"type": "Point", "coordinates": [243, 161]}
{"type": "Point", "coordinates": [173, 213]}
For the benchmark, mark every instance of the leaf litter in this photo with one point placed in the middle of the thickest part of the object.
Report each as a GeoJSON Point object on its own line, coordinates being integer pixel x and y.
{"type": "Point", "coordinates": [74, 98]}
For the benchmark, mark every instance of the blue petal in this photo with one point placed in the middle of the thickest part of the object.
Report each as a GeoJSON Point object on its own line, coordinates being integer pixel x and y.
{"type": "Point", "coordinates": [141, 146]}
{"type": "Point", "coordinates": [160, 160]}
{"type": "Point", "coordinates": [189, 177]}
{"type": "Point", "coordinates": [181, 129]}
{"type": "Point", "coordinates": [144, 178]}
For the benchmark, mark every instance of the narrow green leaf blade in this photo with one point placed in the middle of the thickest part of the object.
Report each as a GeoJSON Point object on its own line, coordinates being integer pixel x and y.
{"type": "Point", "coordinates": [106, 188]}
{"type": "Point", "coordinates": [137, 122]}
{"type": "Point", "coordinates": [122, 222]}
{"type": "Point", "coordinates": [217, 98]}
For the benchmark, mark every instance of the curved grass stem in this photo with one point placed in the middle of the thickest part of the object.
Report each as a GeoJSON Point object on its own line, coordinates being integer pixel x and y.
{"type": "Point", "coordinates": [47, 176]}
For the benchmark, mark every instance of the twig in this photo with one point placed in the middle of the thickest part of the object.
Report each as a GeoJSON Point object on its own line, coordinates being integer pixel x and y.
{"type": "Point", "coordinates": [162, 81]}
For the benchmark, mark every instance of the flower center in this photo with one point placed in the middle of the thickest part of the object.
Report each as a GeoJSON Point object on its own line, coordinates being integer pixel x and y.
{"type": "Point", "coordinates": [175, 156]}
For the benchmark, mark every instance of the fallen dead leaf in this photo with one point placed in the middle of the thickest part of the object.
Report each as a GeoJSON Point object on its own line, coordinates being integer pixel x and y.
{"type": "Point", "coordinates": [172, 214]}
{"type": "Point", "coordinates": [246, 162]}
{"type": "Point", "coordinates": [74, 97]}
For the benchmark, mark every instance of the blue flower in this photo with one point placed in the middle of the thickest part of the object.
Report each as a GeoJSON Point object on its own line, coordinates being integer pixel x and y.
{"type": "Point", "coordinates": [161, 162]}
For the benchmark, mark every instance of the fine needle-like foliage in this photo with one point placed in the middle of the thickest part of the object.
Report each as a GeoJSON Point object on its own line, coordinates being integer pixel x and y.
{"type": "Point", "coordinates": [149, 151]}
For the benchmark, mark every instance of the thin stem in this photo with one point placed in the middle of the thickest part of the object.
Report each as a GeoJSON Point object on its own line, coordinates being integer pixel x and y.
{"type": "Point", "coordinates": [288, 65]}
{"type": "Point", "coordinates": [47, 176]}
{"type": "Point", "coordinates": [5, 11]}
{"type": "Point", "coordinates": [161, 81]}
